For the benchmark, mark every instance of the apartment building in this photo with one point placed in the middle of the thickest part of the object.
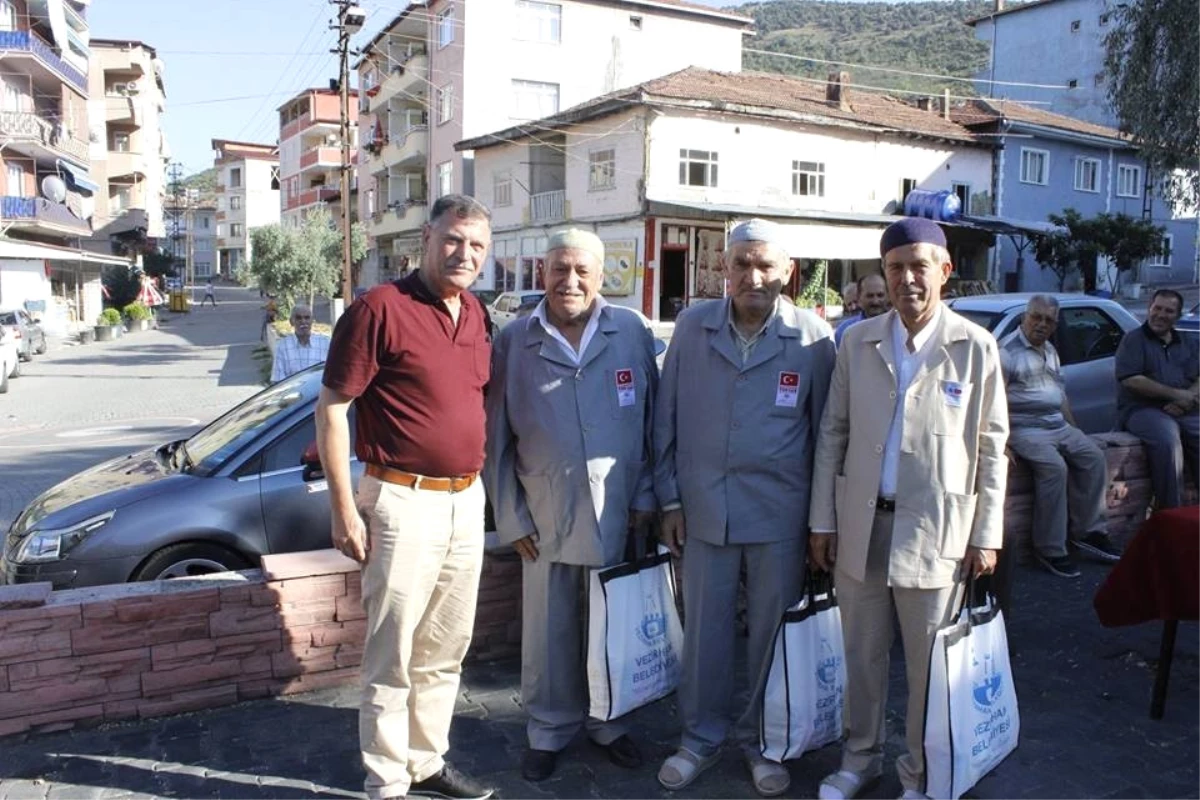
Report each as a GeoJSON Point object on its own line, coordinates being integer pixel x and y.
{"type": "Point", "coordinates": [310, 152]}
{"type": "Point", "coordinates": [248, 192]}
{"type": "Point", "coordinates": [192, 233]}
{"type": "Point", "coordinates": [424, 89]}
{"type": "Point", "coordinates": [129, 150]}
{"type": "Point", "coordinates": [662, 170]}
{"type": "Point", "coordinates": [47, 195]}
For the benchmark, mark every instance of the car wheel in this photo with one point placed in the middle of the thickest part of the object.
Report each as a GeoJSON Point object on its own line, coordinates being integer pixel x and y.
{"type": "Point", "coordinates": [41, 348]}
{"type": "Point", "coordinates": [188, 560]}
{"type": "Point", "coordinates": [3, 380]}
{"type": "Point", "coordinates": [16, 370]}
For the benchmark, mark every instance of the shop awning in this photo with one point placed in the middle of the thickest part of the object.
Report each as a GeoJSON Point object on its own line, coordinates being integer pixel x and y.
{"type": "Point", "coordinates": [79, 177]}
{"type": "Point", "coordinates": [11, 248]}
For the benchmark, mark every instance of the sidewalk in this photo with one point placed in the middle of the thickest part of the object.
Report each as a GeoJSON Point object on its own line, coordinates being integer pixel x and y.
{"type": "Point", "coordinates": [1084, 693]}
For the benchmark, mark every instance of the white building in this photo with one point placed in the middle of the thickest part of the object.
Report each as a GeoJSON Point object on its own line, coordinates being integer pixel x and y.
{"type": "Point", "coordinates": [247, 198]}
{"type": "Point", "coordinates": [661, 170]}
{"type": "Point", "coordinates": [442, 71]}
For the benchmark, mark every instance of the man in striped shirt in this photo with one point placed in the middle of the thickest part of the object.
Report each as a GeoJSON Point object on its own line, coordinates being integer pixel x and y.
{"type": "Point", "coordinates": [1066, 463]}
{"type": "Point", "coordinates": [302, 349]}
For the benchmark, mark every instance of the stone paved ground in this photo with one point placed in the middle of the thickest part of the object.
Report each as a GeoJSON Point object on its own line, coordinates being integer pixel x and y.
{"type": "Point", "coordinates": [1084, 694]}
{"type": "Point", "coordinates": [79, 405]}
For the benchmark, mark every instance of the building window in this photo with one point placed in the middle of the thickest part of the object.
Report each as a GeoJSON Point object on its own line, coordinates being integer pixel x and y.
{"type": "Point", "coordinates": [12, 94]}
{"type": "Point", "coordinates": [808, 178]}
{"type": "Point", "coordinates": [602, 169]}
{"type": "Point", "coordinates": [275, 179]}
{"type": "Point", "coordinates": [205, 223]}
{"type": "Point", "coordinates": [15, 186]}
{"type": "Point", "coordinates": [235, 202]}
{"type": "Point", "coordinates": [8, 16]}
{"type": "Point", "coordinates": [120, 142]}
{"type": "Point", "coordinates": [1129, 180]}
{"type": "Point", "coordinates": [1075, 24]}
{"type": "Point", "coordinates": [534, 99]}
{"type": "Point", "coordinates": [445, 27]}
{"type": "Point", "coordinates": [502, 189]}
{"type": "Point", "coordinates": [1035, 166]}
{"type": "Point", "coordinates": [445, 101]}
{"type": "Point", "coordinates": [1104, 19]}
{"type": "Point", "coordinates": [235, 177]}
{"type": "Point", "coordinates": [906, 186]}
{"type": "Point", "coordinates": [635, 22]}
{"type": "Point", "coordinates": [1163, 257]}
{"type": "Point", "coordinates": [1098, 79]}
{"type": "Point", "coordinates": [120, 198]}
{"type": "Point", "coordinates": [1073, 84]}
{"type": "Point", "coordinates": [963, 192]}
{"type": "Point", "coordinates": [539, 22]}
{"type": "Point", "coordinates": [1087, 174]}
{"type": "Point", "coordinates": [235, 229]}
{"type": "Point", "coordinates": [697, 168]}
{"type": "Point", "coordinates": [445, 178]}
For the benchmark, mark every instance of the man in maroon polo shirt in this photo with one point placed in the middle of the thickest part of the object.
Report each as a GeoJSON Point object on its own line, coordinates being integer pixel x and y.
{"type": "Point", "coordinates": [413, 356]}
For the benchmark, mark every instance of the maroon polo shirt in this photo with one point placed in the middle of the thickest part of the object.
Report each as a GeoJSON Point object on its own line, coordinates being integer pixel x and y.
{"type": "Point", "coordinates": [417, 379]}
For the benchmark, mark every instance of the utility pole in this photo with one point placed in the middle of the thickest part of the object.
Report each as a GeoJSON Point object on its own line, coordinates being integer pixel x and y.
{"type": "Point", "coordinates": [350, 20]}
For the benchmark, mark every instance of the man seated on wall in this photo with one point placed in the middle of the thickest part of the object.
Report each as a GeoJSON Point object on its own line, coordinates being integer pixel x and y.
{"type": "Point", "coordinates": [1159, 402]}
{"type": "Point", "coordinates": [1066, 463]}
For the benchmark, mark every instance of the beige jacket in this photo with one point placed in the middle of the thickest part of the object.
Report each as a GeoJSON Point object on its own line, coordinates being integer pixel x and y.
{"type": "Point", "coordinates": [952, 470]}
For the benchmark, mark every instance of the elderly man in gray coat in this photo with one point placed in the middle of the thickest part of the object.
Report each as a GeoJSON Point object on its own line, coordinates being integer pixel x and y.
{"type": "Point", "coordinates": [735, 424]}
{"type": "Point", "coordinates": [569, 473]}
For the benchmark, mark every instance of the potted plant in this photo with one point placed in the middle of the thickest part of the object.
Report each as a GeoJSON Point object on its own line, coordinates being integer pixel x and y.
{"type": "Point", "coordinates": [138, 317]}
{"type": "Point", "coordinates": [108, 324]}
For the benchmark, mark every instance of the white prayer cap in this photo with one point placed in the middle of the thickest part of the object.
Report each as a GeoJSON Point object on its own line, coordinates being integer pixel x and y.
{"type": "Point", "coordinates": [578, 239]}
{"type": "Point", "coordinates": [760, 230]}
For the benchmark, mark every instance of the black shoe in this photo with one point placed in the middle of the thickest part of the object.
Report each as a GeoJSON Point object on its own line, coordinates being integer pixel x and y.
{"type": "Point", "coordinates": [1099, 545]}
{"type": "Point", "coordinates": [450, 784]}
{"type": "Point", "coordinates": [537, 765]}
{"type": "Point", "coordinates": [623, 752]}
{"type": "Point", "coordinates": [1062, 566]}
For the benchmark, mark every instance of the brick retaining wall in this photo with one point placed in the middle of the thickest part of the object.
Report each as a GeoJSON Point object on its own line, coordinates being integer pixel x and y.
{"type": "Point", "coordinates": [85, 656]}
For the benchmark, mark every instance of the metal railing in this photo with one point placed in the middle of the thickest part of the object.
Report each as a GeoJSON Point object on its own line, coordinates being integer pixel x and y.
{"type": "Point", "coordinates": [24, 40]}
{"type": "Point", "coordinates": [27, 126]}
{"type": "Point", "coordinates": [548, 206]}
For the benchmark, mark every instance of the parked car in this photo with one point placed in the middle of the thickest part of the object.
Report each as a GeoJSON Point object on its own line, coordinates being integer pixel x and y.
{"type": "Point", "coordinates": [218, 500]}
{"type": "Point", "coordinates": [511, 305]}
{"type": "Point", "coordinates": [31, 339]}
{"type": "Point", "coordinates": [1089, 331]}
{"type": "Point", "coordinates": [10, 360]}
{"type": "Point", "coordinates": [486, 296]}
{"type": "Point", "coordinates": [1189, 323]}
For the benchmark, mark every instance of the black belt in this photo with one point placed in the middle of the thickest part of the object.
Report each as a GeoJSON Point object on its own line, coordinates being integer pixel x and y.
{"type": "Point", "coordinates": [885, 503]}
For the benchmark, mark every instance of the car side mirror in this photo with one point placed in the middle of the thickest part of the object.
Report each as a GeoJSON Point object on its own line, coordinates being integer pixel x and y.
{"type": "Point", "coordinates": [311, 459]}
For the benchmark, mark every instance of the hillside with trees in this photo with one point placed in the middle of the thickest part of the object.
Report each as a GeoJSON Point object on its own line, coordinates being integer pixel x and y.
{"type": "Point", "coordinates": [928, 37]}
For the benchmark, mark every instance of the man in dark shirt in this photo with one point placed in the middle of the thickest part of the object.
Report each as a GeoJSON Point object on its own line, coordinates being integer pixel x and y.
{"type": "Point", "coordinates": [413, 356]}
{"type": "Point", "coordinates": [1158, 370]}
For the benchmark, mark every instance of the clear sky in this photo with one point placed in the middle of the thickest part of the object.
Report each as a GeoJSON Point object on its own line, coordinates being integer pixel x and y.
{"type": "Point", "coordinates": [261, 50]}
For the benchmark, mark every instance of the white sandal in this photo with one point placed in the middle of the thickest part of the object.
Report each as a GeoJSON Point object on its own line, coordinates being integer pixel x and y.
{"type": "Point", "coordinates": [771, 779]}
{"type": "Point", "coordinates": [684, 767]}
{"type": "Point", "coordinates": [843, 785]}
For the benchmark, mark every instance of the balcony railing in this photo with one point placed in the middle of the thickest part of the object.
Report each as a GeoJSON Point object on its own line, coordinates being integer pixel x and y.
{"type": "Point", "coordinates": [24, 126]}
{"type": "Point", "coordinates": [548, 206]}
{"type": "Point", "coordinates": [32, 43]}
{"type": "Point", "coordinates": [37, 209]}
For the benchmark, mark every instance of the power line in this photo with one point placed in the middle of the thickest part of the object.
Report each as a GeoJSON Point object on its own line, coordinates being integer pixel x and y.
{"type": "Point", "coordinates": [901, 71]}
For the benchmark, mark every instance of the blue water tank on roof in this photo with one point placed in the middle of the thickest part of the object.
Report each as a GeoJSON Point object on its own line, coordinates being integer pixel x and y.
{"type": "Point", "coordinates": [942, 206]}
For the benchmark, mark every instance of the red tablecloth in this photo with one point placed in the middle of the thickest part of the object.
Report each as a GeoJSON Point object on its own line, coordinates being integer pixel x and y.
{"type": "Point", "coordinates": [1158, 577]}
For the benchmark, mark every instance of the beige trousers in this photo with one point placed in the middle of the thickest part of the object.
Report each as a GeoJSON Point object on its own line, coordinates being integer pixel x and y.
{"type": "Point", "coordinates": [866, 608]}
{"type": "Point", "coordinates": [419, 587]}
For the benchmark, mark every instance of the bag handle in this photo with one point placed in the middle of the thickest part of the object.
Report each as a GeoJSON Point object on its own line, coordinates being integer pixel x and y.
{"type": "Point", "coordinates": [978, 604]}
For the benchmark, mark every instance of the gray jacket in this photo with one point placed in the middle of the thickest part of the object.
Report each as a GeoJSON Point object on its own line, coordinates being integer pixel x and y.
{"type": "Point", "coordinates": [732, 445]}
{"type": "Point", "coordinates": [565, 459]}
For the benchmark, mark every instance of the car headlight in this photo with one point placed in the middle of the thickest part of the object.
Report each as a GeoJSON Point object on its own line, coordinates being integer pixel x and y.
{"type": "Point", "coordinates": [51, 545]}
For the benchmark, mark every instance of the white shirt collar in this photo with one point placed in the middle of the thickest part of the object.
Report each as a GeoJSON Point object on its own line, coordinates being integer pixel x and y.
{"type": "Point", "coordinates": [589, 330]}
{"type": "Point", "coordinates": [900, 334]}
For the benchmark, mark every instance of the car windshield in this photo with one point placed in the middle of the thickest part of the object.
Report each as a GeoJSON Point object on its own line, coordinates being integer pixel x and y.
{"type": "Point", "coordinates": [530, 300]}
{"type": "Point", "coordinates": [208, 449]}
{"type": "Point", "coordinates": [984, 319]}
{"type": "Point", "coordinates": [8, 318]}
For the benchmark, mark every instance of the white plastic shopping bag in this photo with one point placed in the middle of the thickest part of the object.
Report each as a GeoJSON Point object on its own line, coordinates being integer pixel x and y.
{"type": "Point", "coordinates": [806, 683]}
{"type": "Point", "coordinates": [971, 717]}
{"type": "Point", "coordinates": [635, 638]}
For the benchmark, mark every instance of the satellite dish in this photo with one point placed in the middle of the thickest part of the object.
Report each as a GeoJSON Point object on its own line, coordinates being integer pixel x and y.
{"type": "Point", "coordinates": [54, 189]}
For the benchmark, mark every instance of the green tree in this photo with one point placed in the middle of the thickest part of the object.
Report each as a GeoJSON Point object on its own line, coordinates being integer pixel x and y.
{"type": "Point", "coordinates": [1152, 65]}
{"type": "Point", "coordinates": [121, 285]}
{"type": "Point", "coordinates": [1124, 240]}
{"type": "Point", "coordinates": [301, 263]}
{"type": "Point", "coordinates": [159, 262]}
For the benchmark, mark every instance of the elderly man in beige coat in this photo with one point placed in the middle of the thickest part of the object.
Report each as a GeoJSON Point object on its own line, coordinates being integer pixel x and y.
{"type": "Point", "coordinates": [908, 490]}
